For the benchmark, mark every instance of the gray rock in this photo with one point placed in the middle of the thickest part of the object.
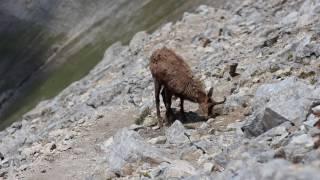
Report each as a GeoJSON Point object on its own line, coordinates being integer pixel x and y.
{"type": "Point", "coordinates": [276, 169]}
{"type": "Point", "coordinates": [158, 140]}
{"type": "Point", "coordinates": [128, 147]}
{"type": "Point", "coordinates": [176, 133]}
{"type": "Point", "coordinates": [291, 18]}
{"type": "Point", "coordinates": [316, 110]}
{"type": "Point", "coordinates": [303, 140]}
{"type": "Point", "coordinates": [311, 121]}
{"type": "Point", "coordinates": [290, 99]}
{"type": "Point", "coordinates": [208, 167]}
{"type": "Point", "coordinates": [135, 127]}
{"type": "Point", "coordinates": [238, 100]}
{"type": "Point", "coordinates": [258, 125]}
{"type": "Point", "coordinates": [309, 13]}
{"type": "Point", "coordinates": [179, 169]}
{"type": "Point", "coordinates": [314, 131]}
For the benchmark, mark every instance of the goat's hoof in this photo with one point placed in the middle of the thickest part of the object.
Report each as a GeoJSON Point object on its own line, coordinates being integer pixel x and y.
{"type": "Point", "coordinates": [184, 119]}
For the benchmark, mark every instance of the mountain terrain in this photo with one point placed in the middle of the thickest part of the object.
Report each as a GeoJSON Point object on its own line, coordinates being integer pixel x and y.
{"type": "Point", "coordinates": [104, 125]}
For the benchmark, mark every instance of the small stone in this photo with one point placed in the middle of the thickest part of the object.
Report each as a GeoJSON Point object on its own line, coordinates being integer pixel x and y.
{"type": "Point", "coordinates": [212, 131]}
{"type": "Point", "coordinates": [279, 135]}
{"type": "Point", "coordinates": [208, 167]}
{"type": "Point", "coordinates": [108, 143]}
{"type": "Point", "coordinates": [316, 110]}
{"type": "Point", "coordinates": [178, 169]}
{"type": "Point", "coordinates": [1, 157]}
{"type": "Point", "coordinates": [191, 154]}
{"type": "Point", "coordinates": [218, 168]}
{"type": "Point", "coordinates": [69, 136]}
{"type": "Point", "coordinates": [284, 72]}
{"type": "Point", "coordinates": [135, 127]}
{"type": "Point", "coordinates": [311, 121]}
{"type": "Point", "coordinates": [195, 136]}
{"type": "Point", "coordinates": [155, 127]}
{"type": "Point", "coordinates": [158, 140]}
{"type": "Point", "coordinates": [211, 120]}
{"type": "Point", "coordinates": [256, 80]}
{"type": "Point", "coordinates": [204, 125]}
{"type": "Point", "coordinates": [53, 147]}
{"type": "Point", "coordinates": [23, 167]}
{"type": "Point", "coordinates": [303, 139]}
{"type": "Point", "coordinates": [64, 147]}
{"type": "Point", "coordinates": [81, 121]}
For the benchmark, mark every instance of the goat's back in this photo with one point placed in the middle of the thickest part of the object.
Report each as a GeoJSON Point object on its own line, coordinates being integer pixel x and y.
{"type": "Point", "coordinates": [170, 70]}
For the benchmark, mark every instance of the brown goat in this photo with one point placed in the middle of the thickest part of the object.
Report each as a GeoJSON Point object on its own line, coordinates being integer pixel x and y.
{"type": "Point", "coordinates": [174, 76]}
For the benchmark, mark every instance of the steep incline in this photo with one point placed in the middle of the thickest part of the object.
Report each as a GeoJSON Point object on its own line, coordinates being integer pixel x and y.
{"type": "Point", "coordinates": [40, 41]}
{"type": "Point", "coordinates": [265, 130]}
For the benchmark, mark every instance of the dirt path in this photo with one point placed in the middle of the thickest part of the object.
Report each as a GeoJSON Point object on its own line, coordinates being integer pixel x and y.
{"type": "Point", "coordinates": [83, 159]}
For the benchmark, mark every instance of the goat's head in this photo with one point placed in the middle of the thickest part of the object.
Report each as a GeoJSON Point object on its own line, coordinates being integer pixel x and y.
{"type": "Point", "coordinates": [207, 105]}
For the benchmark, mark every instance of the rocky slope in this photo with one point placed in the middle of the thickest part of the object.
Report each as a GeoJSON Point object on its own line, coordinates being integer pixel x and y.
{"type": "Point", "coordinates": [41, 40]}
{"type": "Point", "coordinates": [265, 130]}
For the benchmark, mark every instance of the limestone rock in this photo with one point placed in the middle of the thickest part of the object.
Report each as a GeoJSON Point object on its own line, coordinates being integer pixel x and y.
{"type": "Point", "coordinates": [290, 99]}
{"type": "Point", "coordinates": [129, 147]}
{"type": "Point", "coordinates": [176, 133]}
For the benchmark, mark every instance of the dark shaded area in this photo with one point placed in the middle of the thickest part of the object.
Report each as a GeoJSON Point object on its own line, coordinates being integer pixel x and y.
{"type": "Point", "coordinates": [190, 116]}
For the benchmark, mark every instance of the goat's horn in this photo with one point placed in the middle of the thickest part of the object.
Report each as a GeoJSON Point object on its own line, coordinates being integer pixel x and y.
{"type": "Point", "coordinates": [221, 102]}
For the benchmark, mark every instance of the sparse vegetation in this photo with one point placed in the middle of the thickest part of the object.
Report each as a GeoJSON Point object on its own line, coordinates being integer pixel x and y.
{"type": "Point", "coordinates": [145, 112]}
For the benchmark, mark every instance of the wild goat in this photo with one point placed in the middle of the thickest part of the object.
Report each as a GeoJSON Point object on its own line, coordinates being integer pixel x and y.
{"type": "Point", "coordinates": [174, 76]}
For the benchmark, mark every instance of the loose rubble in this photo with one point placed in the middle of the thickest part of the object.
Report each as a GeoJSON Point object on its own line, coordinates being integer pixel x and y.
{"type": "Point", "coordinates": [269, 127]}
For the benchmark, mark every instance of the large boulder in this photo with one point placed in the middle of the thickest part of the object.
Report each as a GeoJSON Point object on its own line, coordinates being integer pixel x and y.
{"type": "Point", "coordinates": [287, 100]}
{"type": "Point", "coordinates": [128, 148]}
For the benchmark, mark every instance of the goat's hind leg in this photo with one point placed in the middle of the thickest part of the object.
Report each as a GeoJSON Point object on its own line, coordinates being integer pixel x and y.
{"type": "Point", "coordinates": [183, 115]}
{"type": "Point", "coordinates": [157, 89]}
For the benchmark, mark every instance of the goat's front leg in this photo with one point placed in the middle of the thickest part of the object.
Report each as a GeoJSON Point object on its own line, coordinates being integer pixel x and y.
{"type": "Point", "coordinates": [184, 118]}
{"type": "Point", "coordinates": [167, 96]}
{"type": "Point", "coordinates": [157, 88]}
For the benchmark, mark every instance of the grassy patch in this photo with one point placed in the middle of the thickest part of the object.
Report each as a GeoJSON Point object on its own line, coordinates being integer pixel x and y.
{"type": "Point", "coordinates": [146, 112]}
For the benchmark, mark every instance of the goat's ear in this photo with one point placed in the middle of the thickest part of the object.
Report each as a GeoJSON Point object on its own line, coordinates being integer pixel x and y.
{"type": "Point", "coordinates": [210, 92]}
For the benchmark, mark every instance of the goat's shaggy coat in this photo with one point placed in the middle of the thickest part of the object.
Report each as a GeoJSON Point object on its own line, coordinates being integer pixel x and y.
{"type": "Point", "coordinates": [171, 74]}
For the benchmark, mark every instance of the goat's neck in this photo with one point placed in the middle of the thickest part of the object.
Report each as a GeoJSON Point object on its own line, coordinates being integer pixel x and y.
{"type": "Point", "coordinates": [194, 93]}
